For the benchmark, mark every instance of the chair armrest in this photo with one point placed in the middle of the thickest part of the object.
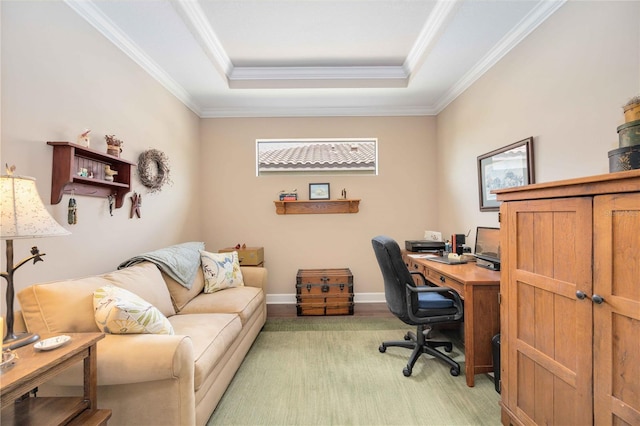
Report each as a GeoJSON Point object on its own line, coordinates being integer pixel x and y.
{"type": "Point", "coordinates": [447, 291]}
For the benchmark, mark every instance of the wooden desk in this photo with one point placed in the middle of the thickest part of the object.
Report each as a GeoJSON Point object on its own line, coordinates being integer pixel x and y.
{"type": "Point", "coordinates": [479, 288]}
{"type": "Point", "coordinates": [33, 368]}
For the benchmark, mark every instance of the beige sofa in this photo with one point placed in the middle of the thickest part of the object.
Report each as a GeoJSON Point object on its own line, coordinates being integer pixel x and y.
{"type": "Point", "coordinates": [152, 379]}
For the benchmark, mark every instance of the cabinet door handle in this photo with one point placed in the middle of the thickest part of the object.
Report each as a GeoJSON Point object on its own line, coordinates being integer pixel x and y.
{"type": "Point", "coordinates": [442, 279]}
{"type": "Point", "coordinates": [597, 299]}
{"type": "Point", "coordinates": [580, 295]}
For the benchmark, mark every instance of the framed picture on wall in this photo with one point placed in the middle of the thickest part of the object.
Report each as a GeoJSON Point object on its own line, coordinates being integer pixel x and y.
{"type": "Point", "coordinates": [506, 167]}
{"type": "Point", "coordinates": [318, 191]}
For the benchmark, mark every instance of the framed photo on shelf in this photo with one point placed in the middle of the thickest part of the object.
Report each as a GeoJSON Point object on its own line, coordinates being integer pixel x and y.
{"type": "Point", "coordinates": [506, 167]}
{"type": "Point", "coordinates": [318, 191]}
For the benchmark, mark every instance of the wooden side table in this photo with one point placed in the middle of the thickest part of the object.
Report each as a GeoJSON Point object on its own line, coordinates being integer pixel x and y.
{"type": "Point", "coordinates": [33, 368]}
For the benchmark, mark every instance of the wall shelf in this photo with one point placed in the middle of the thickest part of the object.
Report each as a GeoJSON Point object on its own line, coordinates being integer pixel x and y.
{"type": "Point", "coordinates": [69, 158]}
{"type": "Point", "coordinates": [317, 206]}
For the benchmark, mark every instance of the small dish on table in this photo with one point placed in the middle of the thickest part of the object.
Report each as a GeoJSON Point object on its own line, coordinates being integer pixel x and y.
{"type": "Point", "coordinates": [51, 343]}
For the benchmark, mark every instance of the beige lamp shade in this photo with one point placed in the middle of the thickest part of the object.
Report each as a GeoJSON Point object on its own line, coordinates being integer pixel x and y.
{"type": "Point", "coordinates": [22, 210]}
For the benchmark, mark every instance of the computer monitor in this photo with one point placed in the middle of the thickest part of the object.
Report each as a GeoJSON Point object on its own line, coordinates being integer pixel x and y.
{"type": "Point", "coordinates": [488, 244]}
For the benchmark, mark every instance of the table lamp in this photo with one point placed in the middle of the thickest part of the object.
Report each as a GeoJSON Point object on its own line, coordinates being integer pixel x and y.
{"type": "Point", "coordinates": [23, 215]}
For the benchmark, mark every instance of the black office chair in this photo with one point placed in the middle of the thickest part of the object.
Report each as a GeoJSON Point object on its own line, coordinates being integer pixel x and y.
{"type": "Point", "coordinates": [421, 306]}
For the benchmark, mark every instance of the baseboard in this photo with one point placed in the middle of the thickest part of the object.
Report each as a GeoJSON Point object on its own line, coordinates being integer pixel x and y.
{"type": "Point", "coordinates": [290, 299]}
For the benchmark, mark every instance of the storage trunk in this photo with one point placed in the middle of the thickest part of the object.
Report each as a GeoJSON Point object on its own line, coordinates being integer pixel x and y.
{"type": "Point", "coordinates": [324, 292]}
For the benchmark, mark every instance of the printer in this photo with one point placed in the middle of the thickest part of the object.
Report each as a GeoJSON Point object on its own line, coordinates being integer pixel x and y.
{"type": "Point", "coordinates": [423, 245]}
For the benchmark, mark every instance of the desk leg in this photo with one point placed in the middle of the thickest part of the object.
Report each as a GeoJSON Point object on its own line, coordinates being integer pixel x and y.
{"type": "Point", "coordinates": [481, 323]}
{"type": "Point", "coordinates": [469, 338]}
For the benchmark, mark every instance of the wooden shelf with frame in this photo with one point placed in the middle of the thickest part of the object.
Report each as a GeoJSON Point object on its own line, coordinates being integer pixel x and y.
{"type": "Point", "coordinates": [69, 158]}
{"type": "Point", "coordinates": [317, 206]}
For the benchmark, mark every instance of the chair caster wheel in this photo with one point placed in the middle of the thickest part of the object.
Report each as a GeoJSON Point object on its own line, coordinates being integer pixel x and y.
{"type": "Point", "coordinates": [406, 371]}
{"type": "Point", "coordinates": [382, 348]}
{"type": "Point", "coordinates": [454, 371]}
{"type": "Point", "coordinates": [448, 348]}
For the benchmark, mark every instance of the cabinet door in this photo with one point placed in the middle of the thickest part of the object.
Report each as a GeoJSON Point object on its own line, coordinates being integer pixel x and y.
{"type": "Point", "coordinates": [617, 318]}
{"type": "Point", "coordinates": [547, 247]}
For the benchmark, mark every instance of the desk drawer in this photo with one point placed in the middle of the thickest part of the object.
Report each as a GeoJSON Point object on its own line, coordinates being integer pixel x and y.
{"type": "Point", "coordinates": [444, 281]}
{"type": "Point", "coordinates": [415, 267]}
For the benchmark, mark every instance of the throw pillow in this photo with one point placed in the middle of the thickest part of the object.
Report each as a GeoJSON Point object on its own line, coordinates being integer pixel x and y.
{"type": "Point", "coordinates": [221, 270]}
{"type": "Point", "coordinates": [118, 311]}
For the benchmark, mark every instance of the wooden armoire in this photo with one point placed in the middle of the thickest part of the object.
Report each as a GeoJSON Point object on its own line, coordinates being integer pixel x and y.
{"type": "Point", "coordinates": [570, 301]}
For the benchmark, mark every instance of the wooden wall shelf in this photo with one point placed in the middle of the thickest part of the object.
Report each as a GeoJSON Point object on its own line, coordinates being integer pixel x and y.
{"type": "Point", "coordinates": [317, 206]}
{"type": "Point", "coordinates": [69, 158]}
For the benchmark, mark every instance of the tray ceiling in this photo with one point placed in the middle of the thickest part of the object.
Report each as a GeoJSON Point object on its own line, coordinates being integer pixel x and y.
{"type": "Point", "coordinates": [249, 58]}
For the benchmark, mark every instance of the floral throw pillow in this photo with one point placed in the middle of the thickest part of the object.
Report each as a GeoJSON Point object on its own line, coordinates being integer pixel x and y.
{"type": "Point", "coordinates": [221, 270]}
{"type": "Point", "coordinates": [118, 311]}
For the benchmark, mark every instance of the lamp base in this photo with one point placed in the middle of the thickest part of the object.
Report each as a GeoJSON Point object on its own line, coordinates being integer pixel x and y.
{"type": "Point", "coordinates": [19, 340]}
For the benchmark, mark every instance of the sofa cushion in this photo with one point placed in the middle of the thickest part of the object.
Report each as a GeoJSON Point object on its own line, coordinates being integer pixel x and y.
{"type": "Point", "coordinates": [145, 280]}
{"type": "Point", "coordinates": [221, 271]}
{"type": "Point", "coordinates": [211, 335]}
{"type": "Point", "coordinates": [239, 300]}
{"type": "Point", "coordinates": [180, 295]}
{"type": "Point", "coordinates": [60, 306]}
{"type": "Point", "coordinates": [118, 311]}
{"type": "Point", "coordinates": [67, 306]}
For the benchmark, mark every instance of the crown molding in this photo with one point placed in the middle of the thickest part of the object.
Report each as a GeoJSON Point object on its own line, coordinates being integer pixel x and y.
{"type": "Point", "coordinates": [297, 111]}
{"type": "Point", "coordinates": [197, 22]}
{"type": "Point", "coordinates": [529, 23]}
{"type": "Point", "coordinates": [95, 17]}
{"type": "Point", "coordinates": [283, 77]}
{"type": "Point", "coordinates": [313, 77]}
{"type": "Point", "coordinates": [317, 77]}
{"type": "Point", "coordinates": [442, 13]}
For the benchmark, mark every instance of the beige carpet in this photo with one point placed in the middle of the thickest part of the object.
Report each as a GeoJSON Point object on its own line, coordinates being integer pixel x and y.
{"type": "Point", "coordinates": [328, 371]}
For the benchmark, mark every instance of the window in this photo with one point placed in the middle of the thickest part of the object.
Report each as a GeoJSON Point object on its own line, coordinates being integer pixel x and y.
{"type": "Point", "coordinates": [317, 156]}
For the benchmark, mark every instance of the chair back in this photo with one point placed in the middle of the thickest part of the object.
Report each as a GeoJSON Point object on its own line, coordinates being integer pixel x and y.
{"type": "Point", "coordinates": [395, 274]}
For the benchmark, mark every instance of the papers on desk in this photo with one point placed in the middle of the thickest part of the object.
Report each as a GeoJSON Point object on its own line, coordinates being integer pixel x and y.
{"type": "Point", "coordinates": [422, 255]}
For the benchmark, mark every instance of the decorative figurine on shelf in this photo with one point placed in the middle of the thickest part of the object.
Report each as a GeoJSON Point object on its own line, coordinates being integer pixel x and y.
{"type": "Point", "coordinates": [136, 203]}
{"type": "Point", "coordinates": [84, 139]}
{"type": "Point", "coordinates": [288, 195]}
{"type": "Point", "coordinates": [72, 217]}
{"type": "Point", "coordinates": [108, 173]}
{"type": "Point", "coordinates": [114, 145]}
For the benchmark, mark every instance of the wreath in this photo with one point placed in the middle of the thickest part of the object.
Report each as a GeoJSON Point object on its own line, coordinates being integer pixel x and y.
{"type": "Point", "coordinates": [153, 169]}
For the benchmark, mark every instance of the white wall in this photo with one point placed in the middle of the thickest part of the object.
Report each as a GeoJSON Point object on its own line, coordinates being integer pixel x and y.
{"type": "Point", "coordinates": [238, 207]}
{"type": "Point", "coordinates": [564, 85]}
{"type": "Point", "coordinates": [60, 76]}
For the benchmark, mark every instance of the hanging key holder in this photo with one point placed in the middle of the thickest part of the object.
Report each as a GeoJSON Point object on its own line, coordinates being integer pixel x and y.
{"type": "Point", "coordinates": [72, 215]}
{"type": "Point", "coordinates": [112, 201]}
